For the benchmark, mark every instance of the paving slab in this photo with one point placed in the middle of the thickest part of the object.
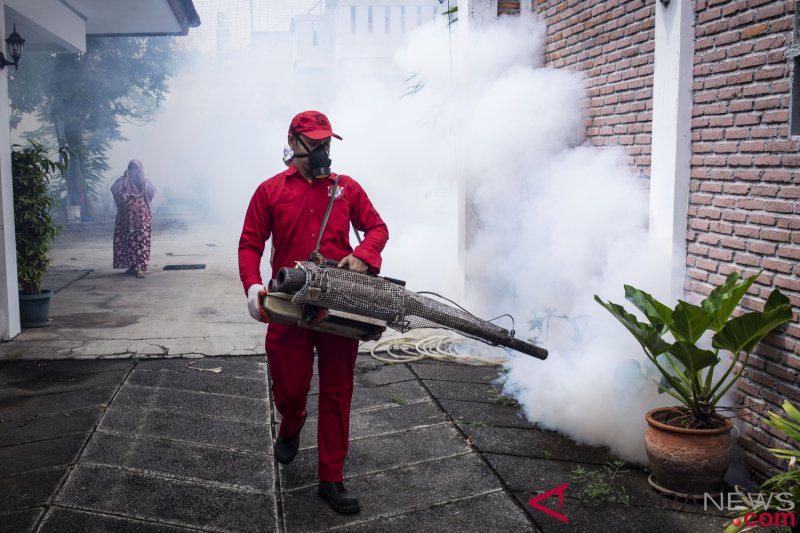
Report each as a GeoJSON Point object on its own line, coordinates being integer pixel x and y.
{"type": "Point", "coordinates": [24, 389]}
{"type": "Point", "coordinates": [453, 372]}
{"type": "Point", "coordinates": [495, 511]}
{"type": "Point", "coordinates": [533, 442]}
{"type": "Point", "coordinates": [485, 414]}
{"type": "Point", "coordinates": [585, 518]}
{"type": "Point", "coordinates": [393, 492]}
{"type": "Point", "coordinates": [384, 452]}
{"type": "Point", "coordinates": [187, 427]}
{"type": "Point", "coordinates": [20, 521]}
{"type": "Point", "coordinates": [31, 489]}
{"type": "Point", "coordinates": [255, 368]}
{"type": "Point", "coordinates": [167, 501]}
{"type": "Point", "coordinates": [469, 392]}
{"type": "Point", "coordinates": [182, 460]}
{"type": "Point", "coordinates": [370, 397]}
{"type": "Point", "coordinates": [199, 381]}
{"type": "Point", "coordinates": [61, 520]}
{"type": "Point", "coordinates": [386, 419]}
{"type": "Point", "coordinates": [201, 403]}
{"type": "Point", "coordinates": [40, 454]}
{"type": "Point", "coordinates": [17, 408]}
{"type": "Point", "coordinates": [79, 421]}
{"type": "Point", "coordinates": [369, 375]}
{"type": "Point", "coordinates": [47, 371]}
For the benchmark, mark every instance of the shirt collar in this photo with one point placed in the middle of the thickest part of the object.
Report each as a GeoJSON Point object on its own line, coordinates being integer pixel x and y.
{"type": "Point", "coordinates": [293, 171]}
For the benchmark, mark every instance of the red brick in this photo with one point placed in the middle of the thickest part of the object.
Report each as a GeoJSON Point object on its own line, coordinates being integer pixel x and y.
{"type": "Point", "coordinates": [775, 235]}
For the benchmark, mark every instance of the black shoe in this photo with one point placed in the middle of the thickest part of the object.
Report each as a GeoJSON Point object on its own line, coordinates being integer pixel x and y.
{"type": "Point", "coordinates": [286, 447]}
{"type": "Point", "coordinates": [342, 501]}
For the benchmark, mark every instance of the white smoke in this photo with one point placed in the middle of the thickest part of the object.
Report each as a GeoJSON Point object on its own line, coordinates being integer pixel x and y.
{"type": "Point", "coordinates": [552, 221]}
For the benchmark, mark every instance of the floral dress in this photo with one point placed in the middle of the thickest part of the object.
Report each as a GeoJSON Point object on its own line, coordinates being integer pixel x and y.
{"type": "Point", "coordinates": [133, 228]}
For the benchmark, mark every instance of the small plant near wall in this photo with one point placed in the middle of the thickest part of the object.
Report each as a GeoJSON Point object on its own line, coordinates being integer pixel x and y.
{"type": "Point", "coordinates": [31, 171]}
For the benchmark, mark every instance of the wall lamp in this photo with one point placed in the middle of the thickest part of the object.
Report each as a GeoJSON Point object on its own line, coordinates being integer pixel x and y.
{"type": "Point", "coordinates": [14, 46]}
{"type": "Point", "coordinates": [665, 2]}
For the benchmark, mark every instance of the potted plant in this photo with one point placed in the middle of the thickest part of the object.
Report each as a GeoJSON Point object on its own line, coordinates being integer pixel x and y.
{"type": "Point", "coordinates": [689, 446]}
{"type": "Point", "coordinates": [32, 169]}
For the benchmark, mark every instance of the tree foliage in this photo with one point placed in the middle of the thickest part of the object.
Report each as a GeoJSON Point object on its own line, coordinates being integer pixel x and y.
{"type": "Point", "coordinates": [82, 101]}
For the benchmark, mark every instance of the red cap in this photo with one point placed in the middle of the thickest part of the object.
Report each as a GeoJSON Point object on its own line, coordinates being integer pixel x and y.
{"type": "Point", "coordinates": [312, 124]}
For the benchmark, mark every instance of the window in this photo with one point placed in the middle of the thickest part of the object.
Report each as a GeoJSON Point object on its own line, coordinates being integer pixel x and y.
{"type": "Point", "coordinates": [352, 19]}
{"type": "Point", "coordinates": [419, 15]}
{"type": "Point", "coordinates": [314, 34]}
{"type": "Point", "coordinates": [369, 19]}
{"type": "Point", "coordinates": [387, 19]}
{"type": "Point", "coordinates": [794, 54]}
{"type": "Point", "coordinates": [402, 19]}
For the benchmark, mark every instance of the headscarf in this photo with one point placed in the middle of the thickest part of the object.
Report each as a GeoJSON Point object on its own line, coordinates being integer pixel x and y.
{"type": "Point", "coordinates": [133, 182]}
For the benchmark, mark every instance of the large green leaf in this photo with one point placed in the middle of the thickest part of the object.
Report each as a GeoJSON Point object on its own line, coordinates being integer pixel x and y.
{"type": "Point", "coordinates": [693, 358]}
{"type": "Point", "coordinates": [657, 313]}
{"type": "Point", "coordinates": [744, 332]}
{"type": "Point", "coordinates": [724, 299]}
{"type": "Point", "coordinates": [646, 334]}
{"type": "Point", "coordinates": [689, 322]}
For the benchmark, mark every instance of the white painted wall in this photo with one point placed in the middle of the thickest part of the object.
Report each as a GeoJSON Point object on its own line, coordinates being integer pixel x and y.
{"type": "Point", "coordinates": [671, 148]}
{"type": "Point", "coordinates": [9, 299]}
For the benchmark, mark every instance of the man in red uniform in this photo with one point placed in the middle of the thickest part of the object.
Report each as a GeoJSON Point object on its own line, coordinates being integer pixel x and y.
{"type": "Point", "coordinates": [289, 207]}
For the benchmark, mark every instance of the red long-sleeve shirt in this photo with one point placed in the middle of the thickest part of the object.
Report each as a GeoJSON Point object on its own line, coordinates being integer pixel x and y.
{"type": "Point", "coordinates": [290, 209]}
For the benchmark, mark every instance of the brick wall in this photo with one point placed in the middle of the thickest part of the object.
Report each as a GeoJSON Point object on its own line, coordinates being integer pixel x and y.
{"type": "Point", "coordinates": [612, 43]}
{"type": "Point", "coordinates": [743, 204]}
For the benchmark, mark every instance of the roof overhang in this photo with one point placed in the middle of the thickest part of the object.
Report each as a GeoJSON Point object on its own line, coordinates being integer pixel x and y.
{"type": "Point", "coordinates": [57, 26]}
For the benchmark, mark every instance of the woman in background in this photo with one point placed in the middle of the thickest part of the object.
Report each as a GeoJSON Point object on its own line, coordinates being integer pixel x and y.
{"type": "Point", "coordinates": [133, 194]}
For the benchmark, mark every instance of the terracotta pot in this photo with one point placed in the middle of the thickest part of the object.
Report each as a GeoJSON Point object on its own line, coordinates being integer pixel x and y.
{"type": "Point", "coordinates": [687, 461]}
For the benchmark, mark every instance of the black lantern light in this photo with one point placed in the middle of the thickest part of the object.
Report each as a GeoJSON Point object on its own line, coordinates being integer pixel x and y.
{"type": "Point", "coordinates": [14, 45]}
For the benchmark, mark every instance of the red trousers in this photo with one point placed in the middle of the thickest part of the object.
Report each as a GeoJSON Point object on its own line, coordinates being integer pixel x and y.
{"type": "Point", "coordinates": [290, 355]}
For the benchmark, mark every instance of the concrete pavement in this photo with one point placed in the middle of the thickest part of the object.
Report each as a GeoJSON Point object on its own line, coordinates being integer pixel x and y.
{"type": "Point", "coordinates": [105, 425]}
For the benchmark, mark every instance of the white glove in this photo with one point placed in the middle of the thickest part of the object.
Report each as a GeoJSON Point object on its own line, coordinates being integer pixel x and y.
{"type": "Point", "coordinates": [254, 294]}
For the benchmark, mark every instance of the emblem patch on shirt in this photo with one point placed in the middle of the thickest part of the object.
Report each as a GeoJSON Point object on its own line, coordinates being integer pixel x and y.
{"type": "Point", "coordinates": [339, 192]}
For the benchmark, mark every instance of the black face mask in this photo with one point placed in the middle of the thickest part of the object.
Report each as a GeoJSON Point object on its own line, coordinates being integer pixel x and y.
{"type": "Point", "coordinates": [318, 159]}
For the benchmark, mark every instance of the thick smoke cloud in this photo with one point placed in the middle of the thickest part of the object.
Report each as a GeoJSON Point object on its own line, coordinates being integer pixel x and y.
{"type": "Point", "coordinates": [462, 122]}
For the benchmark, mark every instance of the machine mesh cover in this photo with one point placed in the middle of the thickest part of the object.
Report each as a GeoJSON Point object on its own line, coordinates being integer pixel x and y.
{"type": "Point", "coordinates": [341, 289]}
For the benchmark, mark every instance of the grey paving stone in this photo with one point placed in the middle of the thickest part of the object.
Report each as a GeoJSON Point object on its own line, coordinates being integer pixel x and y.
{"type": "Point", "coordinates": [523, 474]}
{"type": "Point", "coordinates": [69, 520]}
{"type": "Point", "coordinates": [380, 453]}
{"type": "Point", "coordinates": [29, 490]}
{"type": "Point", "coordinates": [384, 420]}
{"type": "Point", "coordinates": [199, 382]}
{"type": "Point", "coordinates": [255, 369]}
{"type": "Point", "coordinates": [55, 403]}
{"type": "Point", "coordinates": [496, 511]}
{"type": "Point", "coordinates": [42, 454]}
{"type": "Point", "coordinates": [182, 460]}
{"type": "Point", "coordinates": [181, 401]}
{"type": "Point", "coordinates": [485, 414]}
{"type": "Point", "coordinates": [453, 372]}
{"type": "Point", "coordinates": [168, 501]}
{"type": "Point", "coordinates": [369, 397]}
{"type": "Point", "coordinates": [366, 376]}
{"type": "Point", "coordinates": [24, 389]}
{"type": "Point", "coordinates": [585, 518]}
{"type": "Point", "coordinates": [470, 392]}
{"type": "Point", "coordinates": [533, 442]}
{"type": "Point", "coordinates": [50, 426]}
{"type": "Point", "coordinates": [392, 492]}
{"type": "Point", "coordinates": [20, 521]}
{"type": "Point", "coordinates": [188, 427]}
{"type": "Point", "coordinates": [44, 371]}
